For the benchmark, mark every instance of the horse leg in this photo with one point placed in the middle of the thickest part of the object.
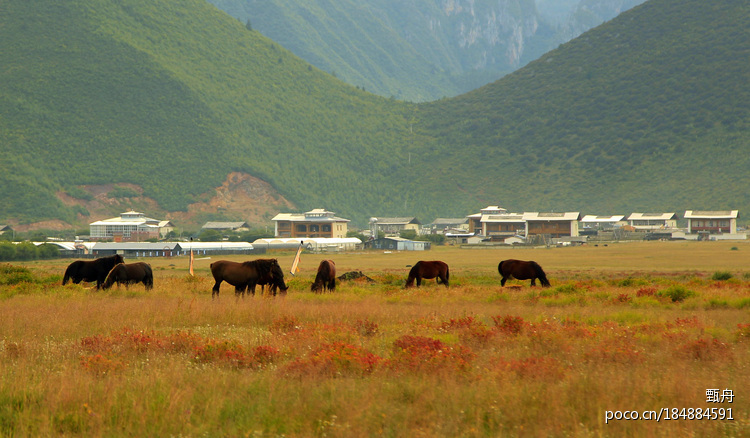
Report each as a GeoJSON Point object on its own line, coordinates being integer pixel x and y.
{"type": "Point", "coordinates": [502, 282]}
{"type": "Point", "coordinates": [419, 281]}
{"type": "Point", "coordinates": [533, 281]}
{"type": "Point", "coordinates": [215, 290]}
{"type": "Point", "coordinates": [444, 280]}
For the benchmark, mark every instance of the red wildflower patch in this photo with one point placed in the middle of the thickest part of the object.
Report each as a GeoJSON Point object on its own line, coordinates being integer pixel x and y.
{"type": "Point", "coordinates": [234, 355]}
{"type": "Point", "coordinates": [616, 351]}
{"type": "Point", "coordinates": [102, 365]}
{"type": "Point", "coordinates": [704, 349]}
{"type": "Point", "coordinates": [365, 327]}
{"type": "Point", "coordinates": [542, 367]}
{"type": "Point", "coordinates": [335, 359]}
{"type": "Point", "coordinates": [510, 325]}
{"type": "Point", "coordinates": [646, 292]}
{"type": "Point", "coordinates": [419, 353]}
{"type": "Point", "coordinates": [284, 324]}
{"type": "Point", "coordinates": [743, 332]}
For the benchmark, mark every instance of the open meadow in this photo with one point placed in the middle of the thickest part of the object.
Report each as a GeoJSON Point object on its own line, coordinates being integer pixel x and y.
{"type": "Point", "coordinates": [647, 329]}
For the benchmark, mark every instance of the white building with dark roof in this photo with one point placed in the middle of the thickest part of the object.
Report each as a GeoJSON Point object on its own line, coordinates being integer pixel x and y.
{"type": "Point", "coordinates": [652, 221]}
{"type": "Point", "coordinates": [314, 223]}
{"type": "Point", "coordinates": [712, 222]}
{"type": "Point", "coordinates": [130, 226]}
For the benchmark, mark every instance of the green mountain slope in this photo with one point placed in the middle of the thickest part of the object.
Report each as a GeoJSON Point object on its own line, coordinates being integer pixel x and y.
{"type": "Point", "coordinates": [420, 51]}
{"type": "Point", "coordinates": [173, 97]}
{"type": "Point", "coordinates": [648, 112]}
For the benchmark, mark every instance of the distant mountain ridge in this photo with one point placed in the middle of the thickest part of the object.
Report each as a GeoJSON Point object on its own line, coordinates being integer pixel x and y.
{"type": "Point", "coordinates": [647, 112]}
{"type": "Point", "coordinates": [417, 50]}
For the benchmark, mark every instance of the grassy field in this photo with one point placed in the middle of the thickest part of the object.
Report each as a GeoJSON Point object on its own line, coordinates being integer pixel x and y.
{"type": "Point", "coordinates": [625, 327]}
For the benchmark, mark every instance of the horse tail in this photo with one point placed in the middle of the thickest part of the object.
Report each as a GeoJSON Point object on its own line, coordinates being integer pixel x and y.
{"type": "Point", "coordinates": [500, 267]}
{"type": "Point", "coordinates": [148, 280]}
{"type": "Point", "coordinates": [447, 273]}
{"type": "Point", "coordinates": [541, 275]}
{"type": "Point", "coordinates": [67, 276]}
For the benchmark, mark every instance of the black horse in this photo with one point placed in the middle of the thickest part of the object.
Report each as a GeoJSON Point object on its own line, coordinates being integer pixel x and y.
{"type": "Point", "coordinates": [522, 270]}
{"type": "Point", "coordinates": [325, 278]}
{"type": "Point", "coordinates": [428, 269]}
{"type": "Point", "coordinates": [91, 270]}
{"type": "Point", "coordinates": [130, 273]}
{"type": "Point", "coordinates": [248, 275]}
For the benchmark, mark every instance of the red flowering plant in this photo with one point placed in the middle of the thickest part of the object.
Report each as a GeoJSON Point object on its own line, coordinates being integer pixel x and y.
{"type": "Point", "coordinates": [334, 359]}
{"type": "Point", "coordinates": [423, 354]}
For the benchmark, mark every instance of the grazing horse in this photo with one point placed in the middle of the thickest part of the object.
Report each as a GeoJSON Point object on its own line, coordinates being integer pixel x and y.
{"type": "Point", "coordinates": [247, 274]}
{"type": "Point", "coordinates": [326, 277]}
{"type": "Point", "coordinates": [91, 270]}
{"type": "Point", "coordinates": [130, 273]}
{"type": "Point", "coordinates": [522, 270]}
{"type": "Point", "coordinates": [424, 269]}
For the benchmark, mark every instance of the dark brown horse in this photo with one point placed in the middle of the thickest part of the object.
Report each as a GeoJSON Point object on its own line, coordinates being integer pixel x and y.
{"type": "Point", "coordinates": [247, 274]}
{"type": "Point", "coordinates": [130, 273]}
{"type": "Point", "coordinates": [325, 278]}
{"type": "Point", "coordinates": [91, 270]}
{"type": "Point", "coordinates": [432, 269]}
{"type": "Point", "coordinates": [522, 270]}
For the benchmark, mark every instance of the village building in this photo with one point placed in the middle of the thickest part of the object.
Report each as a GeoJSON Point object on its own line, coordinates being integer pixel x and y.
{"type": "Point", "coordinates": [496, 223]}
{"type": "Point", "coordinates": [131, 226]}
{"type": "Point", "coordinates": [445, 225]}
{"type": "Point", "coordinates": [395, 225]}
{"type": "Point", "coordinates": [552, 224]}
{"type": "Point", "coordinates": [314, 223]}
{"type": "Point", "coordinates": [712, 222]}
{"type": "Point", "coordinates": [475, 220]}
{"type": "Point", "coordinates": [5, 229]}
{"type": "Point", "coordinates": [398, 244]}
{"type": "Point", "coordinates": [652, 221]}
{"type": "Point", "coordinates": [170, 249]}
{"type": "Point", "coordinates": [315, 244]}
{"type": "Point", "coordinates": [226, 226]}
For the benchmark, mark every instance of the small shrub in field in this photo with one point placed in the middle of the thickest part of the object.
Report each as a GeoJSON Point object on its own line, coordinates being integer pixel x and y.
{"type": "Point", "coordinates": [704, 349]}
{"type": "Point", "coordinates": [11, 275]}
{"type": "Point", "coordinates": [721, 275]}
{"type": "Point", "coordinates": [476, 335]}
{"type": "Point", "coordinates": [284, 324]}
{"type": "Point", "coordinates": [676, 293]}
{"type": "Point", "coordinates": [234, 355]}
{"type": "Point", "coordinates": [419, 353]}
{"type": "Point", "coordinates": [541, 367]}
{"type": "Point", "coordinates": [743, 332]}
{"type": "Point", "coordinates": [366, 328]}
{"type": "Point", "coordinates": [614, 350]}
{"type": "Point", "coordinates": [101, 365]}
{"type": "Point", "coordinates": [622, 298]}
{"type": "Point", "coordinates": [460, 323]}
{"type": "Point", "coordinates": [566, 289]}
{"type": "Point", "coordinates": [646, 292]}
{"type": "Point", "coordinates": [335, 359]}
{"type": "Point", "coordinates": [510, 325]}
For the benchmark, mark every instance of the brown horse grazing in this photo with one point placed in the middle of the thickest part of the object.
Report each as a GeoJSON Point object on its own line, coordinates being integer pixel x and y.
{"type": "Point", "coordinates": [326, 277]}
{"type": "Point", "coordinates": [91, 270]}
{"type": "Point", "coordinates": [247, 274]}
{"type": "Point", "coordinates": [522, 270]}
{"type": "Point", "coordinates": [424, 269]}
{"type": "Point", "coordinates": [130, 273]}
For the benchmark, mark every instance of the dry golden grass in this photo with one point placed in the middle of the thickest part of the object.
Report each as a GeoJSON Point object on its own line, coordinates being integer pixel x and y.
{"type": "Point", "coordinates": [514, 361]}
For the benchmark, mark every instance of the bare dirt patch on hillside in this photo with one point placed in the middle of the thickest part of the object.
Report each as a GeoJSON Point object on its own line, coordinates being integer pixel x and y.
{"type": "Point", "coordinates": [241, 197]}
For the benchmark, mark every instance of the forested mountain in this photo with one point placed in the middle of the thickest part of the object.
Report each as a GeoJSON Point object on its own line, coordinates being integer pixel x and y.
{"type": "Point", "coordinates": [421, 50]}
{"type": "Point", "coordinates": [648, 112]}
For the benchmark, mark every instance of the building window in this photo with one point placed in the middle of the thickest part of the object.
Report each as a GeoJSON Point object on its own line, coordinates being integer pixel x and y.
{"type": "Point", "coordinates": [326, 228]}
{"type": "Point", "coordinates": [301, 228]}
